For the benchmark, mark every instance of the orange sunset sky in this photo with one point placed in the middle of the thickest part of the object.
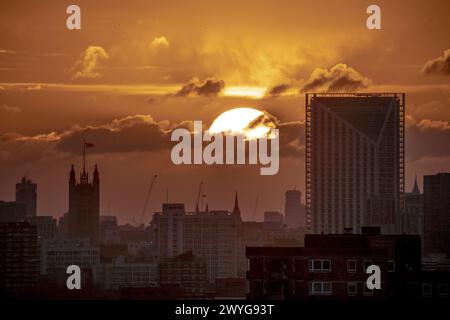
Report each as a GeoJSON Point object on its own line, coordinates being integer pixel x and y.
{"type": "Point", "coordinates": [137, 69]}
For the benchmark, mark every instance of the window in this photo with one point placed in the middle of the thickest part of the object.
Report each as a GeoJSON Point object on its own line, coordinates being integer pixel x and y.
{"type": "Point", "coordinates": [320, 265]}
{"type": "Point", "coordinates": [443, 290]}
{"type": "Point", "coordinates": [391, 266]}
{"type": "Point", "coordinates": [427, 289]}
{"type": "Point", "coordinates": [352, 289]}
{"type": "Point", "coordinates": [351, 266]}
{"type": "Point", "coordinates": [319, 288]}
{"type": "Point", "coordinates": [366, 264]}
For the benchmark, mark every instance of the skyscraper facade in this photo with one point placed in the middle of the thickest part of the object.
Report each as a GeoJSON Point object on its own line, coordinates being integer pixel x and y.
{"type": "Point", "coordinates": [26, 192]}
{"type": "Point", "coordinates": [354, 161]}
{"type": "Point", "coordinates": [436, 195]}
{"type": "Point", "coordinates": [84, 206]}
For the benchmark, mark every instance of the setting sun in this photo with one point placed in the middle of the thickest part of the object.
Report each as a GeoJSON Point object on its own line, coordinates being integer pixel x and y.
{"type": "Point", "coordinates": [242, 121]}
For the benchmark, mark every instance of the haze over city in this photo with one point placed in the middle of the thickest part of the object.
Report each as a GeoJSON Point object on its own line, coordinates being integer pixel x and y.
{"type": "Point", "coordinates": [124, 81]}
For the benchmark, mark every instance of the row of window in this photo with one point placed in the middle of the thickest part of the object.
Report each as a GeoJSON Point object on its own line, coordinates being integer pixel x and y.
{"type": "Point", "coordinates": [324, 265]}
{"type": "Point", "coordinates": [324, 288]}
{"type": "Point", "coordinates": [427, 290]}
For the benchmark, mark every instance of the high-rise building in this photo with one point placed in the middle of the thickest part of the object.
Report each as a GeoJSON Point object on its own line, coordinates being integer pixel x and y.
{"type": "Point", "coordinates": [294, 211]}
{"type": "Point", "coordinates": [213, 236]}
{"type": "Point", "coordinates": [354, 161]}
{"type": "Point", "coordinates": [19, 258]}
{"type": "Point", "coordinates": [436, 195]}
{"type": "Point", "coordinates": [26, 192]}
{"type": "Point", "coordinates": [84, 206]}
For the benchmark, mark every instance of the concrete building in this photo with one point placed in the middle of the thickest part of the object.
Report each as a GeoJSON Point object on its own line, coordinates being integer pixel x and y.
{"type": "Point", "coordinates": [185, 271]}
{"type": "Point", "coordinates": [436, 194]}
{"type": "Point", "coordinates": [19, 259]}
{"type": "Point", "coordinates": [121, 273]}
{"type": "Point", "coordinates": [45, 225]}
{"type": "Point", "coordinates": [212, 236]}
{"type": "Point", "coordinates": [26, 192]}
{"type": "Point", "coordinates": [12, 211]}
{"type": "Point", "coordinates": [58, 254]}
{"type": "Point", "coordinates": [354, 161]}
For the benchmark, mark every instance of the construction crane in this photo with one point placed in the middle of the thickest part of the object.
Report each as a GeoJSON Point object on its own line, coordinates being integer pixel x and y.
{"type": "Point", "coordinates": [148, 197]}
{"type": "Point", "coordinates": [200, 195]}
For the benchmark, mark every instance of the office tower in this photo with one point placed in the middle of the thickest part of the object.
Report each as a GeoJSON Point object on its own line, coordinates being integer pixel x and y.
{"type": "Point", "coordinates": [168, 228]}
{"type": "Point", "coordinates": [293, 209]}
{"type": "Point", "coordinates": [12, 211]}
{"type": "Point", "coordinates": [58, 254]}
{"type": "Point", "coordinates": [26, 192]}
{"type": "Point", "coordinates": [436, 194]}
{"type": "Point", "coordinates": [19, 258]}
{"type": "Point", "coordinates": [354, 161]}
{"type": "Point", "coordinates": [413, 216]}
{"type": "Point", "coordinates": [84, 206]}
{"type": "Point", "coordinates": [211, 235]}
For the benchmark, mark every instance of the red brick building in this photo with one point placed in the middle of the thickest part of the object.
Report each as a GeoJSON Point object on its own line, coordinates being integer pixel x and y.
{"type": "Point", "coordinates": [333, 267]}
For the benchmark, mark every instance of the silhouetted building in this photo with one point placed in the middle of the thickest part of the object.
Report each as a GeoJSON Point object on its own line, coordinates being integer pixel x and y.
{"type": "Point", "coordinates": [294, 211]}
{"type": "Point", "coordinates": [12, 211]}
{"type": "Point", "coordinates": [211, 235]}
{"type": "Point", "coordinates": [63, 226]}
{"type": "Point", "coordinates": [273, 221]}
{"type": "Point", "coordinates": [58, 254]}
{"type": "Point", "coordinates": [84, 206]}
{"type": "Point", "coordinates": [185, 271]}
{"type": "Point", "coordinates": [19, 258]}
{"type": "Point", "coordinates": [333, 267]}
{"type": "Point", "coordinates": [26, 192]}
{"type": "Point", "coordinates": [45, 225]}
{"type": "Point", "coordinates": [354, 161]}
{"type": "Point", "coordinates": [436, 194]}
{"type": "Point", "coordinates": [109, 232]}
{"type": "Point", "coordinates": [413, 215]}
{"type": "Point", "coordinates": [123, 273]}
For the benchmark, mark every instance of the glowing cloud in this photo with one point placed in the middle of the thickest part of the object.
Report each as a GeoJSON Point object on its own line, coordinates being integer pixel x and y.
{"type": "Point", "coordinates": [86, 66]}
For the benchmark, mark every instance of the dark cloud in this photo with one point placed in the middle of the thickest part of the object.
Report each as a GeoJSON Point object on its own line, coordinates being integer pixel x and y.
{"type": "Point", "coordinates": [277, 90]}
{"type": "Point", "coordinates": [210, 87]}
{"type": "Point", "coordinates": [439, 65]}
{"type": "Point", "coordinates": [291, 134]}
{"type": "Point", "coordinates": [132, 133]}
{"type": "Point", "coordinates": [338, 78]}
